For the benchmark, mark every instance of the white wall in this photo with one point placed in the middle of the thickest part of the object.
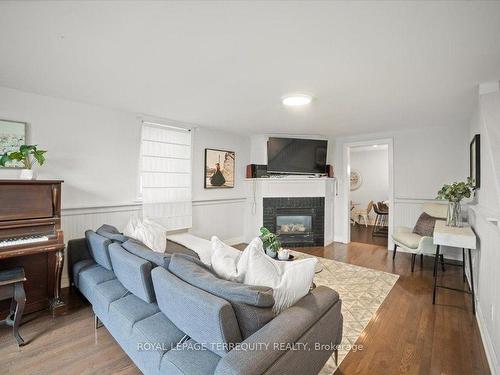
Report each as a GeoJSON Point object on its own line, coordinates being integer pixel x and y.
{"type": "Point", "coordinates": [93, 149]}
{"type": "Point", "coordinates": [219, 211]}
{"type": "Point", "coordinates": [424, 160]}
{"type": "Point", "coordinates": [96, 152]}
{"type": "Point", "coordinates": [486, 259]}
{"type": "Point", "coordinates": [373, 165]}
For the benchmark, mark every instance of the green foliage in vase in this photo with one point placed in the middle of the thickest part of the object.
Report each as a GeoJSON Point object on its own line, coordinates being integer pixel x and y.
{"type": "Point", "coordinates": [27, 155]}
{"type": "Point", "coordinates": [269, 239]}
{"type": "Point", "coordinates": [456, 191]}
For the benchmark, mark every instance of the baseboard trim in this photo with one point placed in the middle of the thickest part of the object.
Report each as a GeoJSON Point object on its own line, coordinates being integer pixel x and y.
{"type": "Point", "coordinates": [487, 343]}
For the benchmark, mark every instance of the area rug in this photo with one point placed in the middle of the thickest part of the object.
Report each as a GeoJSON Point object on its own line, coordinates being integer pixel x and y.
{"type": "Point", "coordinates": [362, 291]}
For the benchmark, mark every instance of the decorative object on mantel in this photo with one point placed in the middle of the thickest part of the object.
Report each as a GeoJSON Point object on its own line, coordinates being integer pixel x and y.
{"type": "Point", "coordinates": [219, 169]}
{"type": "Point", "coordinates": [27, 155]}
{"type": "Point", "coordinates": [271, 242]}
{"type": "Point", "coordinates": [475, 161]}
{"type": "Point", "coordinates": [454, 193]}
{"type": "Point", "coordinates": [356, 180]}
{"type": "Point", "coordinates": [12, 136]}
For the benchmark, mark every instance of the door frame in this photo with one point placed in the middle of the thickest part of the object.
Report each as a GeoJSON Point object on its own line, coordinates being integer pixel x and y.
{"type": "Point", "coordinates": [346, 173]}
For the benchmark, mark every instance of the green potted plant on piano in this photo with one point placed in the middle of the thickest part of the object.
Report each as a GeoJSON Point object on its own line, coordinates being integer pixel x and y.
{"type": "Point", "coordinates": [27, 156]}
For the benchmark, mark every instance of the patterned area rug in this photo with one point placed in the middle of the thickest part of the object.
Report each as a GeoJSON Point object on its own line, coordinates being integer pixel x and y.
{"type": "Point", "coordinates": [362, 291]}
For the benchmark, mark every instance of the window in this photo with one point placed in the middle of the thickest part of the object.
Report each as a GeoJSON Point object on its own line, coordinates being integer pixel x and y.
{"type": "Point", "coordinates": [165, 175]}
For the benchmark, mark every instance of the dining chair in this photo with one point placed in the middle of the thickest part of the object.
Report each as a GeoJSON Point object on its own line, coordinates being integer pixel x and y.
{"type": "Point", "coordinates": [363, 213]}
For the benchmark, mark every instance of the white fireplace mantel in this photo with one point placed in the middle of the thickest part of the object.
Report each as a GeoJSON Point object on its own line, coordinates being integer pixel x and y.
{"type": "Point", "coordinates": [259, 188]}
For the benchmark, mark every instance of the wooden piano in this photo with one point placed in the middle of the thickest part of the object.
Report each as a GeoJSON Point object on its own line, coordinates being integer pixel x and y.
{"type": "Point", "coordinates": [31, 237]}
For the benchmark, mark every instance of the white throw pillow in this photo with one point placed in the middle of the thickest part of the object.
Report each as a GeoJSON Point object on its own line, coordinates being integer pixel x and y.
{"type": "Point", "coordinates": [131, 226]}
{"type": "Point", "coordinates": [227, 262]}
{"type": "Point", "coordinates": [290, 280]}
{"type": "Point", "coordinates": [199, 245]}
{"type": "Point", "coordinates": [151, 234]}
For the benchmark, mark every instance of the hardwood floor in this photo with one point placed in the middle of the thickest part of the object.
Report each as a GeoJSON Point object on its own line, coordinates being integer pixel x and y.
{"type": "Point", "coordinates": [363, 234]}
{"type": "Point", "coordinates": [408, 335]}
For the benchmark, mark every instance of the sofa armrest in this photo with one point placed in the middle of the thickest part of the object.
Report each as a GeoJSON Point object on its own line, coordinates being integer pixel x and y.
{"type": "Point", "coordinates": [77, 250]}
{"type": "Point", "coordinates": [287, 343]}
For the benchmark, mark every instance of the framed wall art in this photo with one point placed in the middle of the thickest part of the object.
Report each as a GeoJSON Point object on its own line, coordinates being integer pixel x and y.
{"type": "Point", "coordinates": [219, 169]}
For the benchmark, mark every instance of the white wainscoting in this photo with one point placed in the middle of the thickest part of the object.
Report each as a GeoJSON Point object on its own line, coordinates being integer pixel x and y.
{"type": "Point", "coordinates": [485, 262]}
{"type": "Point", "coordinates": [75, 221]}
{"type": "Point", "coordinates": [224, 218]}
{"type": "Point", "coordinates": [221, 217]}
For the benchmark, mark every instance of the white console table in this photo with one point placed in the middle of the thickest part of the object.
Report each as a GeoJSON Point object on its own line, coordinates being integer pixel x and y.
{"type": "Point", "coordinates": [458, 237]}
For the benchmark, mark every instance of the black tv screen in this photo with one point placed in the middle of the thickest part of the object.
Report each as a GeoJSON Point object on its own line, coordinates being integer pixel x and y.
{"type": "Point", "coordinates": [296, 156]}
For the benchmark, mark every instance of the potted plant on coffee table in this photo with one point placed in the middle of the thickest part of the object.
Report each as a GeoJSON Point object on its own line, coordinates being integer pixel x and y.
{"type": "Point", "coordinates": [27, 156]}
{"type": "Point", "coordinates": [271, 242]}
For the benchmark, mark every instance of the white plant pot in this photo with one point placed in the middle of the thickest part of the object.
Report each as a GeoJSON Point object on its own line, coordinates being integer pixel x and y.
{"type": "Point", "coordinates": [27, 174]}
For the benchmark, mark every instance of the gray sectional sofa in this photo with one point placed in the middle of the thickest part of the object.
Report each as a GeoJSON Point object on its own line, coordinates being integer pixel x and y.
{"type": "Point", "coordinates": [172, 315]}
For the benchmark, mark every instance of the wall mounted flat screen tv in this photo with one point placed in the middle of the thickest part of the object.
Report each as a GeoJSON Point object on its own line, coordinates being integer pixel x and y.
{"type": "Point", "coordinates": [296, 156]}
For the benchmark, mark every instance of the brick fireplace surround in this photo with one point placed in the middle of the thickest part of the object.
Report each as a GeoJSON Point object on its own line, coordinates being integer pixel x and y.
{"type": "Point", "coordinates": [313, 206]}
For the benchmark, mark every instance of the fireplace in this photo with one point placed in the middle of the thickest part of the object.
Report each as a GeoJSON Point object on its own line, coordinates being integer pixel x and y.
{"type": "Point", "coordinates": [295, 225]}
{"type": "Point", "coordinates": [297, 221]}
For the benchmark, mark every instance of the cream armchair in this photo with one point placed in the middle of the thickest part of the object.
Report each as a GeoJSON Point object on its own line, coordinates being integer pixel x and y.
{"type": "Point", "coordinates": [416, 244]}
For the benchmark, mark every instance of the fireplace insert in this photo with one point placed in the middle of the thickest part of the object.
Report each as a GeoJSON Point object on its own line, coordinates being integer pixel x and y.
{"type": "Point", "coordinates": [295, 225]}
{"type": "Point", "coordinates": [298, 221]}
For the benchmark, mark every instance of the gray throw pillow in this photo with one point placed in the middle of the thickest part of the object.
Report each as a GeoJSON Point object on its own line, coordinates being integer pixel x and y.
{"type": "Point", "coordinates": [251, 304]}
{"type": "Point", "coordinates": [111, 232]}
{"type": "Point", "coordinates": [425, 225]}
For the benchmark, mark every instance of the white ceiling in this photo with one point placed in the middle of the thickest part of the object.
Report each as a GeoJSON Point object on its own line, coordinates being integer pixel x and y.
{"type": "Point", "coordinates": [370, 66]}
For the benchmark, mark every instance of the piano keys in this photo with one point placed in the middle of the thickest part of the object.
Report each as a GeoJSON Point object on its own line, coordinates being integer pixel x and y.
{"type": "Point", "coordinates": [31, 237]}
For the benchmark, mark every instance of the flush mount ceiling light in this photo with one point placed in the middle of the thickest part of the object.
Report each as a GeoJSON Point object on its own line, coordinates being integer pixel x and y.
{"type": "Point", "coordinates": [296, 100]}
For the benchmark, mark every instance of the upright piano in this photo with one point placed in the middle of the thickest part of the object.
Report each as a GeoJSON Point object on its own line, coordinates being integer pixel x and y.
{"type": "Point", "coordinates": [31, 237]}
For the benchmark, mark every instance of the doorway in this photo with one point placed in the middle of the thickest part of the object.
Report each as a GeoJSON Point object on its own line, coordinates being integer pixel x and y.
{"type": "Point", "coordinates": [369, 187]}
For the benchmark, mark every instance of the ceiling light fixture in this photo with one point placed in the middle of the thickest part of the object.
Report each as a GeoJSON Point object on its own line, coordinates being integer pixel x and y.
{"type": "Point", "coordinates": [296, 100]}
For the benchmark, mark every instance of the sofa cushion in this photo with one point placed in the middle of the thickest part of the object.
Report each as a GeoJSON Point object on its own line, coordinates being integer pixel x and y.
{"type": "Point", "coordinates": [111, 232]}
{"type": "Point", "coordinates": [176, 248]}
{"type": "Point", "coordinates": [252, 304]}
{"type": "Point", "coordinates": [201, 246]}
{"type": "Point", "coordinates": [425, 225]}
{"type": "Point", "coordinates": [407, 238]}
{"type": "Point", "coordinates": [151, 338]}
{"type": "Point", "coordinates": [189, 358]}
{"type": "Point", "coordinates": [127, 311]}
{"type": "Point", "coordinates": [204, 317]}
{"type": "Point", "coordinates": [104, 294]}
{"type": "Point", "coordinates": [133, 272]}
{"type": "Point", "coordinates": [80, 266]}
{"type": "Point", "coordinates": [92, 276]}
{"type": "Point", "coordinates": [138, 248]}
{"type": "Point", "coordinates": [98, 246]}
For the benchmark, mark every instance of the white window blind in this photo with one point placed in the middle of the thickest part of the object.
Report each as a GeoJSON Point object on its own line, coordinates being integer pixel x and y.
{"type": "Point", "coordinates": [166, 175]}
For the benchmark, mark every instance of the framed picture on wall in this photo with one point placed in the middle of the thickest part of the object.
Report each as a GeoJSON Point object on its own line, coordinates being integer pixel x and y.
{"type": "Point", "coordinates": [219, 169]}
{"type": "Point", "coordinates": [12, 136]}
{"type": "Point", "coordinates": [475, 161]}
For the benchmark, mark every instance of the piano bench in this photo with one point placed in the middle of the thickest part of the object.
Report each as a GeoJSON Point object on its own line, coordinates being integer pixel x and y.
{"type": "Point", "coordinates": [11, 286]}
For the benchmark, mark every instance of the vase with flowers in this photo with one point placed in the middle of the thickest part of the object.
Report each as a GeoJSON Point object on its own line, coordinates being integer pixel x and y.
{"type": "Point", "coordinates": [454, 193]}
